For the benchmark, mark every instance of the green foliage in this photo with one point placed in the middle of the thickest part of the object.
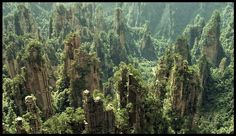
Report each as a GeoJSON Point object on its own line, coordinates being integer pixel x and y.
{"type": "Point", "coordinates": [33, 52]}
{"type": "Point", "coordinates": [62, 99]}
{"type": "Point", "coordinates": [121, 116]}
{"type": "Point", "coordinates": [155, 122]}
{"type": "Point", "coordinates": [62, 83]}
{"type": "Point", "coordinates": [66, 122]}
{"type": "Point", "coordinates": [130, 69]}
{"type": "Point", "coordinates": [5, 72]}
{"type": "Point", "coordinates": [10, 51]}
{"type": "Point", "coordinates": [220, 103]}
{"type": "Point", "coordinates": [9, 117]}
{"type": "Point", "coordinates": [97, 93]}
{"type": "Point", "coordinates": [155, 85]}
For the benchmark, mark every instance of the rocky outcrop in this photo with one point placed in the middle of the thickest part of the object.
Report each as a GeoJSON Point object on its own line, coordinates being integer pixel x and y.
{"type": "Point", "coordinates": [205, 77]}
{"type": "Point", "coordinates": [193, 31]}
{"type": "Point", "coordinates": [123, 88]}
{"type": "Point", "coordinates": [182, 48]}
{"type": "Point", "coordinates": [117, 39]}
{"type": "Point", "coordinates": [163, 74]}
{"type": "Point", "coordinates": [109, 124]}
{"type": "Point", "coordinates": [77, 18]}
{"type": "Point", "coordinates": [24, 65]}
{"type": "Point", "coordinates": [11, 45]}
{"type": "Point", "coordinates": [82, 69]}
{"type": "Point", "coordinates": [37, 80]}
{"type": "Point", "coordinates": [98, 121]}
{"type": "Point", "coordinates": [193, 34]}
{"type": "Point", "coordinates": [210, 43]}
{"type": "Point", "coordinates": [147, 47]}
{"type": "Point", "coordinates": [12, 67]}
{"type": "Point", "coordinates": [131, 92]}
{"type": "Point", "coordinates": [19, 89]}
{"type": "Point", "coordinates": [33, 111]}
{"type": "Point", "coordinates": [184, 88]}
{"type": "Point", "coordinates": [94, 114]}
{"type": "Point", "coordinates": [30, 71]}
{"type": "Point", "coordinates": [136, 116]}
{"type": "Point", "coordinates": [120, 28]}
{"type": "Point", "coordinates": [180, 91]}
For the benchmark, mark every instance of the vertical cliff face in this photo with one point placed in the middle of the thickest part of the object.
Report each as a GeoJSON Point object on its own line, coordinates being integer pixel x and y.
{"type": "Point", "coordinates": [18, 26]}
{"type": "Point", "coordinates": [205, 77]}
{"type": "Point", "coordinates": [193, 34]}
{"type": "Point", "coordinates": [130, 93]}
{"type": "Point", "coordinates": [71, 49]}
{"type": "Point", "coordinates": [147, 47]}
{"type": "Point", "coordinates": [180, 92]}
{"type": "Point", "coordinates": [210, 43]}
{"type": "Point", "coordinates": [182, 48]}
{"type": "Point", "coordinates": [29, 74]}
{"type": "Point", "coordinates": [19, 90]}
{"type": "Point", "coordinates": [78, 17]}
{"type": "Point", "coordinates": [117, 39]}
{"type": "Point", "coordinates": [109, 124]}
{"type": "Point", "coordinates": [167, 19]}
{"type": "Point", "coordinates": [89, 68]}
{"type": "Point", "coordinates": [12, 67]}
{"type": "Point", "coordinates": [184, 88]}
{"type": "Point", "coordinates": [94, 114]}
{"type": "Point", "coordinates": [193, 31]}
{"type": "Point", "coordinates": [136, 116]}
{"type": "Point", "coordinates": [101, 44]}
{"type": "Point", "coordinates": [123, 88]}
{"type": "Point", "coordinates": [25, 66]}
{"type": "Point", "coordinates": [37, 80]}
{"type": "Point", "coordinates": [38, 85]}
{"type": "Point", "coordinates": [163, 74]}
{"type": "Point", "coordinates": [33, 115]}
{"type": "Point", "coordinates": [9, 54]}
{"type": "Point", "coordinates": [98, 121]}
{"type": "Point", "coordinates": [82, 69]}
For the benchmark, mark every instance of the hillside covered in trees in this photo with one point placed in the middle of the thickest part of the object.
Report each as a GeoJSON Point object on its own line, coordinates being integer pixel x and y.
{"type": "Point", "coordinates": [118, 68]}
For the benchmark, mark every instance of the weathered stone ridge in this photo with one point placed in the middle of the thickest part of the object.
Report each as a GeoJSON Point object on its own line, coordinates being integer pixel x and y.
{"type": "Point", "coordinates": [98, 121]}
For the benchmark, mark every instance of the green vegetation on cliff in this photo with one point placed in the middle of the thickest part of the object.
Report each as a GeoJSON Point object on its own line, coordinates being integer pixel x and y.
{"type": "Point", "coordinates": [123, 68]}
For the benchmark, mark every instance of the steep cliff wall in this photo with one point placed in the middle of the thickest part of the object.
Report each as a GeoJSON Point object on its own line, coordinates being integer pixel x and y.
{"type": "Point", "coordinates": [98, 120]}
{"type": "Point", "coordinates": [131, 96]}
{"type": "Point", "coordinates": [180, 92]}
{"type": "Point", "coordinates": [82, 69]}
{"type": "Point", "coordinates": [210, 43]}
{"type": "Point", "coordinates": [37, 80]}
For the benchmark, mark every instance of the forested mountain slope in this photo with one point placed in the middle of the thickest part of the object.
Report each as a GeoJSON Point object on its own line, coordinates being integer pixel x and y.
{"type": "Point", "coordinates": [85, 68]}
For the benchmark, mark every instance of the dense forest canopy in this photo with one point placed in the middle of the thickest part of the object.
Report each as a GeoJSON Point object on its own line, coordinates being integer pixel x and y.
{"type": "Point", "coordinates": [98, 68]}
